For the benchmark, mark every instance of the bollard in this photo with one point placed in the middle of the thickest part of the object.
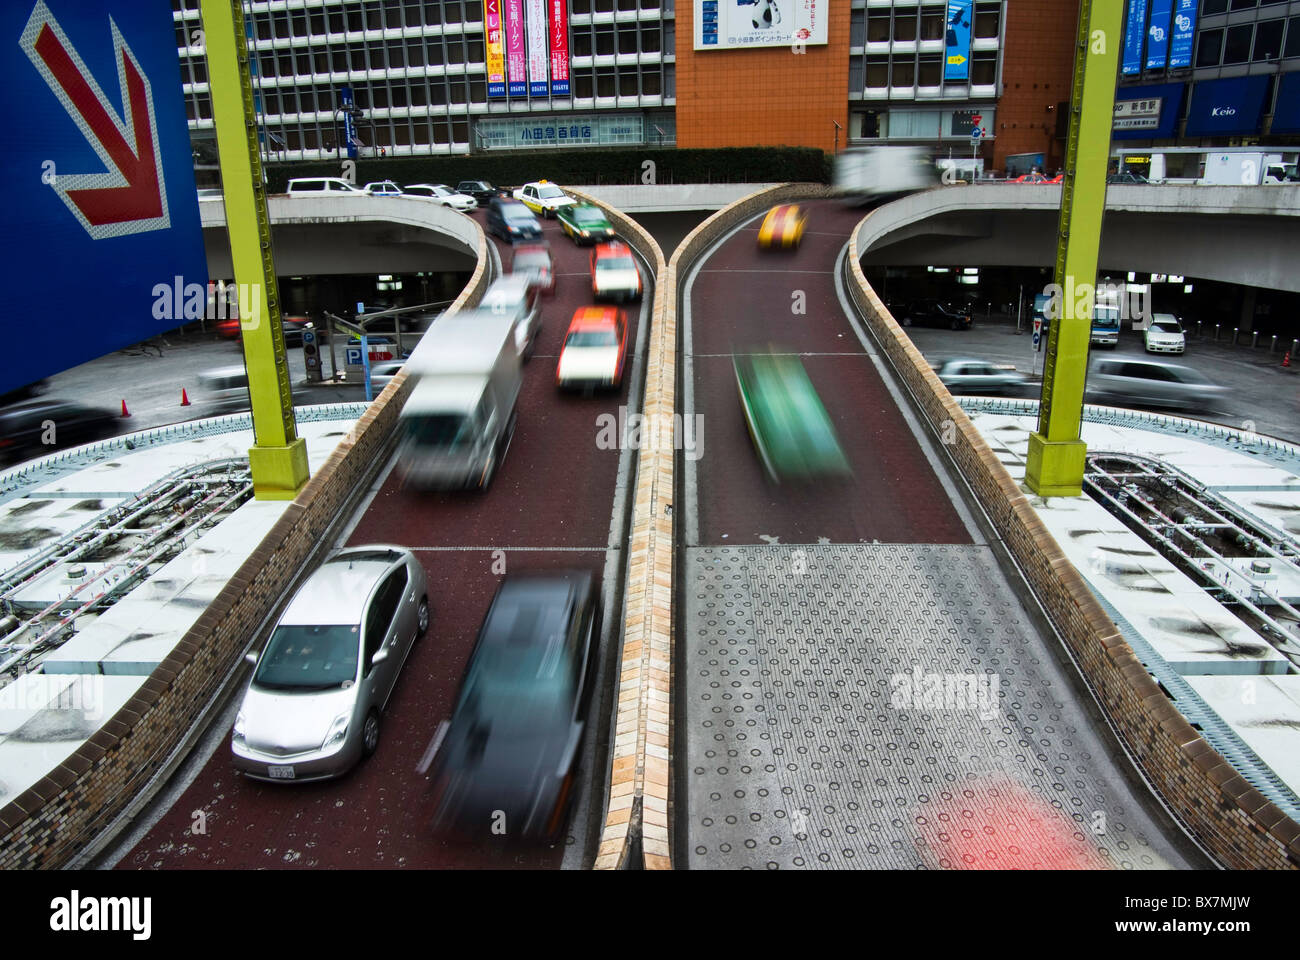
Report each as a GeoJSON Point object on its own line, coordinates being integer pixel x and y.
{"type": "Point", "coordinates": [1236, 332]}
{"type": "Point", "coordinates": [1254, 340]}
{"type": "Point", "coordinates": [1273, 345]}
{"type": "Point", "coordinates": [1216, 333]}
{"type": "Point", "coordinates": [1294, 344]}
{"type": "Point", "coordinates": [1198, 329]}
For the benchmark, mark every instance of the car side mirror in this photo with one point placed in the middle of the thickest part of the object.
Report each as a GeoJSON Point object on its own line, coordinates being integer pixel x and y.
{"type": "Point", "coordinates": [380, 656]}
{"type": "Point", "coordinates": [250, 659]}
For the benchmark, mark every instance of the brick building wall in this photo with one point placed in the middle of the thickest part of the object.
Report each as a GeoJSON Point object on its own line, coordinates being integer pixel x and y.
{"type": "Point", "coordinates": [769, 96]}
{"type": "Point", "coordinates": [1037, 67]}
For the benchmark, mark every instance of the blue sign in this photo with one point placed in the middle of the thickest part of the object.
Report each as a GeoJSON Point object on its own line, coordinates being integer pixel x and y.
{"type": "Point", "coordinates": [1158, 34]}
{"type": "Point", "coordinates": [1184, 28]}
{"type": "Point", "coordinates": [1148, 112]}
{"type": "Point", "coordinates": [348, 107]}
{"type": "Point", "coordinates": [1227, 107]}
{"type": "Point", "coordinates": [103, 246]}
{"type": "Point", "coordinates": [1134, 29]}
{"type": "Point", "coordinates": [956, 54]}
{"type": "Point", "coordinates": [1286, 106]}
{"type": "Point", "coordinates": [352, 356]}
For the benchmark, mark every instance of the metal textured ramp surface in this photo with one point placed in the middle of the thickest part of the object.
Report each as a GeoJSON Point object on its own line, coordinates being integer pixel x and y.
{"type": "Point", "coordinates": [887, 706]}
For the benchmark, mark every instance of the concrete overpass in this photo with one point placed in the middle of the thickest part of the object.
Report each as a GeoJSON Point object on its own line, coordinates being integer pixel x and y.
{"type": "Point", "coordinates": [1243, 235]}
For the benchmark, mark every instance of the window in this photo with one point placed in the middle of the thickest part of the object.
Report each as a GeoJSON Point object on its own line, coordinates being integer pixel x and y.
{"type": "Point", "coordinates": [627, 39]}
{"type": "Point", "coordinates": [1237, 47]}
{"type": "Point", "coordinates": [1268, 40]}
{"type": "Point", "coordinates": [870, 124]}
{"type": "Point", "coordinates": [580, 7]}
{"type": "Point", "coordinates": [984, 68]}
{"type": "Point", "coordinates": [931, 70]}
{"type": "Point", "coordinates": [581, 46]}
{"type": "Point", "coordinates": [377, 61]}
{"type": "Point", "coordinates": [877, 26]}
{"type": "Point", "coordinates": [398, 95]}
{"type": "Point", "coordinates": [650, 39]}
{"type": "Point", "coordinates": [987, 17]}
{"type": "Point", "coordinates": [905, 24]}
{"type": "Point", "coordinates": [1242, 4]}
{"type": "Point", "coordinates": [904, 73]}
{"type": "Point", "coordinates": [396, 55]}
{"type": "Point", "coordinates": [605, 41]}
{"type": "Point", "coordinates": [1292, 38]}
{"type": "Point", "coordinates": [650, 85]}
{"type": "Point", "coordinates": [1209, 49]}
{"type": "Point", "coordinates": [877, 72]}
{"type": "Point", "coordinates": [857, 27]}
{"type": "Point", "coordinates": [627, 83]}
{"type": "Point", "coordinates": [415, 54]}
{"type": "Point", "coordinates": [914, 123]}
{"type": "Point", "coordinates": [460, 131]}
{"type": "Point", "coordinates": [932, 25]}
{"type": "Point", "coordinates": [582, 84]}
{"type": "Point", "coordinates": [380, 98]}
{"type": "Point", "coordinates": [605, 83]}
{"type": "Point", "coordinates": [306, 101]}
{"type": "Point", "coordinates": [1211, 7]}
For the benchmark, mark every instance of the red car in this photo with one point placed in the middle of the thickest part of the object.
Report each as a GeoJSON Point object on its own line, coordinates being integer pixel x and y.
{"type": "Point", "coordinates": [595, 349]}
{"type": "Point", "coordinates": [534, 260]}
{"type": "Point", "coordinates": [614, 274]}
{"type": "Point", "coordinates": [1031, 178]}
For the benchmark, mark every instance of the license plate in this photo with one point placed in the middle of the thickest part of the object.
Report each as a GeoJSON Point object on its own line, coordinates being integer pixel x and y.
{"type": "Point", "coordinates": [280, 773]}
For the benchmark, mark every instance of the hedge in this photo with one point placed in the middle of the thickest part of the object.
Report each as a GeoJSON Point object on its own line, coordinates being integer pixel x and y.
{"type": "Point", "coordinates": [618, 166]}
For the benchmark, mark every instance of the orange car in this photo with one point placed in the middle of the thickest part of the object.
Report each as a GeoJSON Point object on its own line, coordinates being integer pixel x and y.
{"type": "Point", "coordinates": [614, 275]}
{"type": "Point", "coordinates": [782, 227]}
{"type": "Point", "coordinates": [594, 350]}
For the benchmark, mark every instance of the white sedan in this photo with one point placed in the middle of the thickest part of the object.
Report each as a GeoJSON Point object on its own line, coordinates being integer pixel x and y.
{"type": "Point", "coordinates": [1164, 334]}
{"type": "Point", "coordinates": [383, 188]}
{"type": "Point", "coordinates": [440, 193]}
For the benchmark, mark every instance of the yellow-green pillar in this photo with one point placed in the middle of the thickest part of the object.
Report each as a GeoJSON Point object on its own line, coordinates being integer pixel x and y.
{"type": "Point", "coordinates": [1054, 467]}
{"type": "Point", "coordinates": [279, 458]}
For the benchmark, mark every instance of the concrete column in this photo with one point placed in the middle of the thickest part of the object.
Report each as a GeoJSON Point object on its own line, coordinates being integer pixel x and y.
{"type": "Point", "coordinates": [1247, 321]}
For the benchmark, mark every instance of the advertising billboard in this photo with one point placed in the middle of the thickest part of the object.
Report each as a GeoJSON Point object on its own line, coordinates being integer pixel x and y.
{"type": "Point", "coordinates": [1158, 34]}
{"type": "Point", "coordinates": [537, 60]}
{"type": "Point", "coordinates": [559, 31]}
{"type": "Point", "coordinates": [1180, 46]}
{"type": "Point", "coordinates": [496, 60]}
{"type": "Point", "coordinates": [516, 62]}
{"type": "Point", "coordinates": [956, 49]}
{"type": "Point", "coordinates": [742, 24]}
{"type": "Point", "coordinates": [1134, 30]}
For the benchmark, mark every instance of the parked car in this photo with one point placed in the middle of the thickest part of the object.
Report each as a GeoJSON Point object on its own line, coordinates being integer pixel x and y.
{"type": "Point", "coordinates": [312, 708]}
{"type": "Point", "coordinates": [1123, 381]}
{"type": "Point", "coordinates": [980, 376]}
{"type": "Point", "coordinates": [614, 273]}
{"type": "Point", "coordinates": [511, 221]}
{"type": "Point", "coordinates": [36, 427]}
{"type": "Point", "coordinates": [543, 197]}
{"type": "Point", "coordinates": [1164, 334]}
{"type": "Point", "coordinates": [935, 313]}
{"type": "Point", "coordinates": [321, 186]}
{"type": "Point", "coordinates": [533, 260]}
{"type": "Point", "coordinates": [1030, 178]}
{"type": "Point", "coordinates": [1126, 177]}
{"type": "Point", "coordinates": [441, 193]}
{"type": "Point", "coordinates": [383, 188]}
{"type": "Point", "coordinates": [480, 190]}
{"type": "Point", "coordinates": [509, 754]}
{"type": "Point", "coordinates": [584, 223]}
{"type": "Point", "coordinates": [594, 351]}
{"type": "Point", "coordinates": [782, 228]}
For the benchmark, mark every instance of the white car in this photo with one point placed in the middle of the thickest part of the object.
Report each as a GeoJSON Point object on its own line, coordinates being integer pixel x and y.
{"type": "Point", "coordinates": [1164, 334]}
{"type": "Point", "coordinates": [543, 197]}
{"type": "Point", "coordinates": [383, 188]}
{"type": "Point", "coordinates": [441, 193]}
{"type": "Point", "coordinates": [321, 186]}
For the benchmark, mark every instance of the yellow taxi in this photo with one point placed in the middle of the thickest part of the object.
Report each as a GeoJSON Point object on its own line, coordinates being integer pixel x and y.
{"type": "Point", "coordinates": [782, 227]}
{"type": "Point", "coordinates": [543, 197]}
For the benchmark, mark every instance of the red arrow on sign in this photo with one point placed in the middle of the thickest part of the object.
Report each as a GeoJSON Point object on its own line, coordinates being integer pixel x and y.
{"type": "Point", "coordinates": [131, 197]}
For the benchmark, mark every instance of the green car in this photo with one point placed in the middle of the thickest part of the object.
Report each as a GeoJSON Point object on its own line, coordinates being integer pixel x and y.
{"type": "Point", "coordinates": [585, 223]}
{"type": "Point", "coordinates": [791, 430]}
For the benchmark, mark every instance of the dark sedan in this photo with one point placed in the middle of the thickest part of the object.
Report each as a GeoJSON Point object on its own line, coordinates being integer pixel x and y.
{"type": "Point", "coordinates": [506, 762]}
{"type": "Point", "coordinates": [35, 428]}
{"type": "Point", "coordinates": [480, 190]}
{"type": "Point", "coordinates": [933, 313]}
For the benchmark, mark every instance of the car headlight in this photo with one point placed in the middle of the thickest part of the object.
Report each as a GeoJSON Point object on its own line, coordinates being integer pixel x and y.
{"type": "Point", "coordinates": [514, 229]}
{"type": "Point", "coordinates": [338, 731]}
{"type": "Point", "coordinates": [586, 233]}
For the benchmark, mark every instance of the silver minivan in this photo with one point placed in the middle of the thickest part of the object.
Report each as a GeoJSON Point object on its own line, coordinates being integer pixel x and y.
{"type": "Point", "coordinates": [321, 187]}
{"type": "Point", "coordinates": [516, 296]}
{"type": "Point", "coordinates": [312, 707]}
{"type": "Point", "coordinates": [1125, 381]}
{"type": "Point", "coordinates": [225, 388]}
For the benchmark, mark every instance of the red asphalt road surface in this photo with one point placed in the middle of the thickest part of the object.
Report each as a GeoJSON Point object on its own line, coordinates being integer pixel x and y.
{"type": "Point", "coordinates": [555, 489]}
{"type": "Point", "coordinates": [745, 299]}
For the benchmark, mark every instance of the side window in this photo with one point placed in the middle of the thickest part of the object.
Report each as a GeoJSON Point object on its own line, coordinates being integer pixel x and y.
{"type": "Point", "coordinates": [387, 599]}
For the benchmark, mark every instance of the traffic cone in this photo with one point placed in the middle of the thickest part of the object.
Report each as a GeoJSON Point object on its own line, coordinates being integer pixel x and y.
{"type": "Point", "coordinates": [185, 398]}
{"type": "Point", "coordinates": [125, 412]}
{"type": "Point", "coordinates": [1286, 359]}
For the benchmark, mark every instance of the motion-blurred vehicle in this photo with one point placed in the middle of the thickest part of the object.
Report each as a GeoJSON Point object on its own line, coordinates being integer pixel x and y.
{"type": "Point", "coordinates": [1031, 178]}
{"type": "Point", "coordinates": [36, 427]}
{"type": "Point", "coordinates": [1127, 177]}
{"type": "Point", "coordinates": [614, 273]}
{"type": "Point", "coordinates": [321, 186]}
{"type": "Point", "coordinates": [935, 313]}
{"type": "Point", "coordinates": [791, 430]}
{"type": "Point", "coordinates": [514, 740]}
{"type": "Point", "coordinates": [980, 376]}
{"type": "Point", "coordinates": [382, 373]}
{"type": "Point", "coordinates": [512, 221]}
{"type": "Point", "coordinates": [383, 188]}
{"type": "Point", "coordinates": [1164, 334]}
{"type": "Point", "coordinates": [228, 328]}
{"type": "Point", "coordinates": [441, 193]}
{"type": "Point", "coordinates": [312, 707]}
{"type": "Point", "coordinates": [782, 228]}
{"type": "Point", "coordinates": [543, 197]}
{"type": "Point", "coordinates": [459, 417]}
{"type": "Point", "coordinates": [584, 223]}
{"type": "Point", "coordinates": [594, 351]}
{"type": "Point", "coordinates": [224, 388]}
{"type": "Point", "coordinates": [1123, 381]}
{"type": "Point", "coordinates": [874, 173]}
{"type": "Point", "coordinates": [533, 260]}
{"type": "Point", "coordinates": [480, 190]}
{"type": "Point", "coordinates": [517, 297]}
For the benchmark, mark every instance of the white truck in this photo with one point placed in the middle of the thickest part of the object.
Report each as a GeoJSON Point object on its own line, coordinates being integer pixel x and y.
{"type": "Point", "coordinates": [1239, 169]}
{"type": "Point", "coordinates": [460, 415]}
{"type": "Point", "coordinates": [876, 172]}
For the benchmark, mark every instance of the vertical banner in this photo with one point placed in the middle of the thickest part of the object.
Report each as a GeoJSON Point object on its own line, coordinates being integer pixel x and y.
{"type": "Point", "coordinates": [1134, 30]}
{"type": "Point", "coordinates": [1180, 47]}
{"type": "Point", "coordinates": [496, 63]}
{"type": "Point", "coordinates": [956, 63]}
{"type": "Point", "coordinates": [516, 63]}
{"type": "Point", "coordinates": [559, 48]}
{"type": "Point", "coordinates": [537, 65]}
{"type": "Point", "coordinates": [1158, 34]}
{"type": "Point", "coordinates": [349, 128]}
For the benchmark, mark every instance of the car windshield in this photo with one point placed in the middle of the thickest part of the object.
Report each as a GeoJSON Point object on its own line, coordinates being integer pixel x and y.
{"type": "Point", "coordinates": [447, 430]}
{"type": "Point", "coordinates": [522, 217]}
{"type": "Point", "coordinates": [550, 192]}
{"type": "Point", "coordinates": [615, 263]}
{"type": "Point", "coordinates": [1167, 326]}
{"type": "Point", "coordinates": [592, 338]}
{"type": "Point", "coordinates": [440, 191]}
{"type": "Point", "coordinates": [316, 657]}
{"type": "Point", "coordinates": [588, 215]}
{"type": "Point", "coordinates": [532, 261]}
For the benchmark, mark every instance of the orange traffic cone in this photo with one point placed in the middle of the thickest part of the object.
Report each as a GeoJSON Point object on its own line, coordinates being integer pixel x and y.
{"type": "Point", "coordinates": [125, 412]}
{"type": "Point", "coordinates": [185, 398]}
{"type": "Point", "coordinates": [1286, 359]}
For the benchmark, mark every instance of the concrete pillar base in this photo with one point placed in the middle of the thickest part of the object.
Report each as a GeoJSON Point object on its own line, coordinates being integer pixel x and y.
{"type": "Point", "coordinates": [1054, 468]}
{"type": "Point", "coordinates": [278, 472]}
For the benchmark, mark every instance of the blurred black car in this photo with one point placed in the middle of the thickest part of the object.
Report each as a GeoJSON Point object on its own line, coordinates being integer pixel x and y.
{"type": "Point", "coordinates": [480, 190]}
{"type": "Point", "coordinates": [506, 762]}
{"type": "Point", "coordinates": [1126, 177]}
{"type": "Point", "coordinates": [934, 313]}
{"type": "Point", "coordinates": [35, 428]}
